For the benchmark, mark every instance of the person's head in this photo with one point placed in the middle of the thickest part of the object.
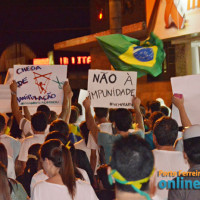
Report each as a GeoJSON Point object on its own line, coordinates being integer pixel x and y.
{"type": "Point", "coordinates": [123, 119]}
{"type": "Point", "coordinates": [154, 106]}
{"type": "Point", "coordinates": [78, 105]}
{"type": "Point", "coordinates": [32, 163]}
{"type": "Point", "coordinates": [4, 185]}
{"type": "Point", "coordinates": [45, 109]}
{"type": "Point", "coordinates": [164, 110]}
{"type": "Point", "coordinates": [191, 141]}
{"type": "Point", "coordinates": [56, 159]}
{"type": "Point", "coordinates": [3, 155]}
{"type": "Point", "coordinates": [74, 115]}
{"type": "Point", "coordinates": [57, 135]}
{"type": "Point", "coordinates": [61, 126]}
{"type": "Point", "coordinates": [84, 131]}
{"type": "Point", "coordinates": [15, 131]}
{"type": "Point", "coordinates": [39, 121]}
{"type": "Point", "coordinates": [102, 173]}
{"type": "Point", "coordinates": [154, 117]}
{"type": "Point", "coordinates": [165, 131]}
{"type": "Point", "coordinates": [2, 123]}
{"type": "Point", "coordinates": [133, 159]}
{"type": "Point", "coordinates": [101, 112]}
{"type": "Point", "coordinates": [53, 116]}
{"type": "Point", "coordinates": [112, 115]}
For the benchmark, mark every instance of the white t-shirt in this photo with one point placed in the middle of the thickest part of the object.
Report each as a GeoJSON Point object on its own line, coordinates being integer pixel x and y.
{"type": "Point", "coordinates": [166, 161]}
{"type": "Point", "coordinates": [82, 146]}
{"type": "Point", "coordinates": [27, 142]}
{"type": "Point", "coordinates": [11, 144]}
{"type": "Point", "coordinates": [39, 176]}
{"type": "Point", "coordinates": [45, 190]}
{"type": "Point", "coordinates": [25, 126]}
{"type": "Point", "coordinates": [84, 174]}
{"type": "Point", "coordinates": [11, 168]}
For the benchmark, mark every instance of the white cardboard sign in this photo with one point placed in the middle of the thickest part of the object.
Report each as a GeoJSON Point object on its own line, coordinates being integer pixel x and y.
{"type": "Point", "coordinates": [189, 86]}
{"type": "Point", "coordinates": [40, 84]}
{"type": "Point", "coordinates": [112, 89]}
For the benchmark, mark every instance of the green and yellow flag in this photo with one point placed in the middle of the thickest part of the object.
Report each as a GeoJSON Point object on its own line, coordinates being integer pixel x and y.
{"type": "Point", "coordinates": [129, 54]}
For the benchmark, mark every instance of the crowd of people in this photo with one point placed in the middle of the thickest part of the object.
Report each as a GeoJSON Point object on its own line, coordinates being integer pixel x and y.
{"type": "Point", "coordinates": [115, 154]}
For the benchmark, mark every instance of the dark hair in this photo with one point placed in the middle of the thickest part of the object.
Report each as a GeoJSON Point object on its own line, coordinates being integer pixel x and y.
{"type": "Point", "coordinates": [101, 112]}
{"type": "Point", "coordinates": [32, 162]}
{"type": "Point", "coordinates": [154, 106]}
{"type": "Point", "coordinates": [74, 115]}
{"type": "Point", "coordinates": [103, 177]}
{"type": "Point", "coordinates": [55, 151]}
{"type": "Point", "coordinates": [57, 135]}
{"type": "Point", "coordinates": [61, 137]}
{"type": "Point", "coordinates": [53, 116]}
{"type": "Point", "coordinates": [2, 122]}
{"type": "Point", "coordinates": [15, 131]}
{"type": "Point", "coordinates": [112, 115]}
{"type": "Point", "coordinates": [192, 149]}
{"type": "Point", "coordinates": [155, 116]}
{"type": "Point", "coordinates": [39, 121]}
{"type": "Point", "coordinates": [61, 126]}
{"type": "Point", "coordinates": [3, 155]}
{"type": "Point", "coordinates": [78, 105]}
{"type": "Point", "coordinates": [4, 184]}
{"type": "Point", "coordinates": [165, 131]}
{"type": "Point", "coordinates": [45, 109]}
{"type": "Point", "coordinates": [31, 167]}
{"type": "Point", "coordinates": [123, 119]}
{"type": "Point", "coordinates": [133, 159]}
{"type": "Point", "coordinates": [84, 131]}
{"type": "Point", "coordinates": [164, 110]}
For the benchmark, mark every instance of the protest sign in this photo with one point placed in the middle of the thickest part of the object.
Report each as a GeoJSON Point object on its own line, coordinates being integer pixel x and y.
{"type": "Point", "coordinates": [5, 99]}
{"type": "Point", "coordinates": [189, 86]}
{"type": "Point", "coordinates": [112, 89]}
{"type": "Point", "coordinates": [40, 84]}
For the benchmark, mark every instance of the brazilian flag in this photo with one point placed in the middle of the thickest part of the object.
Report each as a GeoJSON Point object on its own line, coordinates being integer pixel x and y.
{"type": "Point", "coordinates": [129, 54]}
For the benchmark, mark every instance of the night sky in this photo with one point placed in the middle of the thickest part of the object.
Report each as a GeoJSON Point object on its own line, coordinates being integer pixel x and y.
{"type": "Point", "coordinates": [41, 23]}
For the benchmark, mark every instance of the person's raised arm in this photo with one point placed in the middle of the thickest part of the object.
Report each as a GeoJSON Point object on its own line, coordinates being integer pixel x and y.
{"type": "Point", "coordinates": [91, 124]}
{"type": "Point", "coordinates": [66, 105]}
{"type": "Point", "coordinates": [27, 113]}
{"type": "Point", "coordinates": [138, 117]}
{"type": "Point", "coordinates": [179, 103]}
{"type": "Point", "coordinates": [14, 104]}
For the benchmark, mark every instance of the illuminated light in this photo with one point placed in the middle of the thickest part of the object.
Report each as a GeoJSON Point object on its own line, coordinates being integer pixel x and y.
{"type": "Point", "coordinates": [61, 61]}
{"type": "Point", "coordinates": [100, 16]}
{"type": "Point", "coordinates": [84, 58]}
{"type": "Point", "coordinates": [65, 61]}
{"type": "Point", "coordinates": [79, 60]}
{"type": "Point", "coordinates": [88, 59]}
{"type": "Point", "coordinates": [73, 60]}
{"type": "Point", "coordinates": [41, 61]}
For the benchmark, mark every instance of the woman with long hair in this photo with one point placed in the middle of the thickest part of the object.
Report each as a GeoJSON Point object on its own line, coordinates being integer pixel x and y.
{"type": "Point", "coordinates": [16, 190]}
{"type": "Point", "coordinates": [32, 165]}
{"type": "Point", "coordinates": [62, 184]}
{"type": "Point", "coordinates": [4, 184]}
